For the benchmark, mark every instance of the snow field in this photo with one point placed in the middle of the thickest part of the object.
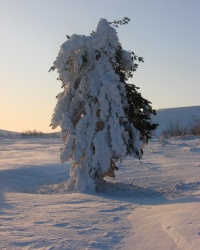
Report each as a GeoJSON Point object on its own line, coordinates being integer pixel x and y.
{"type": "Point", "coordinates": [153, 203]}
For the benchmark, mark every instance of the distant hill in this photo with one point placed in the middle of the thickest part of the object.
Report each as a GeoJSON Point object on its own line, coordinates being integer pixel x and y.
{"type": "Point", "coordinates": [12, 134]}
{"type": "Point", "coordinates": [183, 115]}
{"type": "Point", "coordinates": [6, 133]}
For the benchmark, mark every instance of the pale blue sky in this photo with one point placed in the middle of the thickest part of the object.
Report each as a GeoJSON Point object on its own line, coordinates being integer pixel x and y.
{"type": "Point", "coordinates": [166, 33]}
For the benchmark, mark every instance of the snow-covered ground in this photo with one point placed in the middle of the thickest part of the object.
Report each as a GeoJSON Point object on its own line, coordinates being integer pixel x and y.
{"type": "Point", "coordinates": [153, 203]}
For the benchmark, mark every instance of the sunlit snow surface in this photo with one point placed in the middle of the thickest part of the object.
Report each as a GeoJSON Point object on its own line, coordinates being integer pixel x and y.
{"type": "Point", "coordinates": [153, 203]}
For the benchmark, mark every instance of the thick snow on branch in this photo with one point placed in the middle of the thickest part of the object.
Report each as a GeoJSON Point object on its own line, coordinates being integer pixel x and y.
{"type": "Point", "coordinates": [90, 110]}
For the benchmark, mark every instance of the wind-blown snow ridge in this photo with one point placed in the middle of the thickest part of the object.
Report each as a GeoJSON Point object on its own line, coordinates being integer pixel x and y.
{"type": "Point", "coordinates": [155, 198]}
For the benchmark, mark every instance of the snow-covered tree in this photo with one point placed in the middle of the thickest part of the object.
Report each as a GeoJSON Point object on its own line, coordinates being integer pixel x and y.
{"type": "Point", "coordinates": [103, 119]}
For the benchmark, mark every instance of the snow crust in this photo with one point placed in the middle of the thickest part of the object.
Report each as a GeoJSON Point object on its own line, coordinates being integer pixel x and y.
{"type": "Point", "coordinates": [152, 204]}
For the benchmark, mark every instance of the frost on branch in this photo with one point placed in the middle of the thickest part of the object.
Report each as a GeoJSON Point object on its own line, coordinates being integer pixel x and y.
{"type": "Point", "coordinates": [101, 123]}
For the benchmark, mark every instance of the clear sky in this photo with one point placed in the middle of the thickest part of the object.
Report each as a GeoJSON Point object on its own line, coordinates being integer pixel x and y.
{"type": "Point", "coordinates": [165, 33]}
